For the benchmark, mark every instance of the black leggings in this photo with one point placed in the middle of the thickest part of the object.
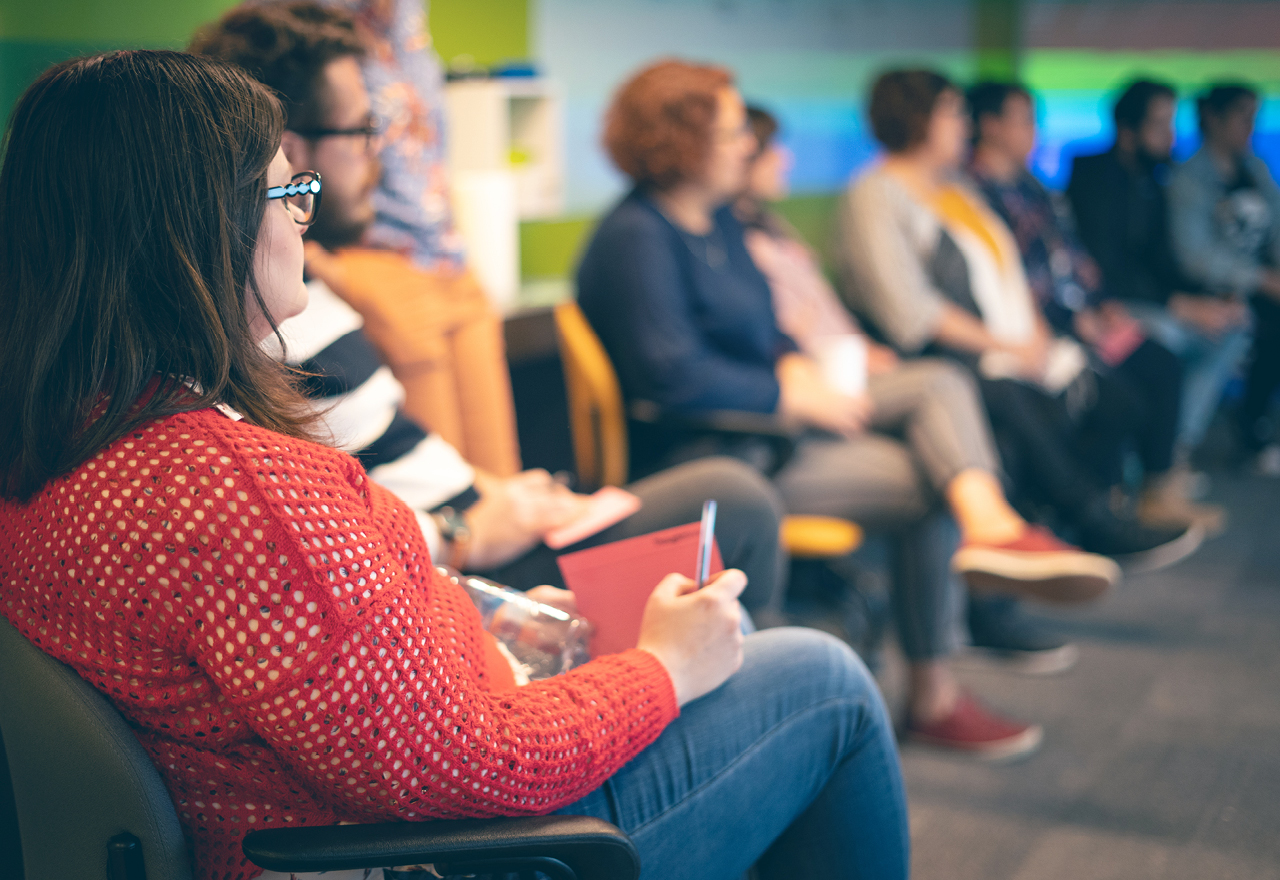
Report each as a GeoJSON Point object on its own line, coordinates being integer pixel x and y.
{"type": "Point", "coordinates": [1066, 462]}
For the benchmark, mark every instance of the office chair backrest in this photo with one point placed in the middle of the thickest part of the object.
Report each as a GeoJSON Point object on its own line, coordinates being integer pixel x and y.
{"type": "Point", "coordinates": [80, 776]}
{"type": "Point", "coordinates": [596, 413]}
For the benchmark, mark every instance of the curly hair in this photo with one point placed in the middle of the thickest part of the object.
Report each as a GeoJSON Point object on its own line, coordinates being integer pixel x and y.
{"type": "Point", "coordinates": [286, 46]}
{"type": "Point", "coordinates": [658, 129]}
{"type": "Point", "coordinates": [902, 102]}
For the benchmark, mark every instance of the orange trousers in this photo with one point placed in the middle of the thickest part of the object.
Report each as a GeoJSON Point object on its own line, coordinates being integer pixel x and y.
{"type": "Point", "coordinates": [443, 340]}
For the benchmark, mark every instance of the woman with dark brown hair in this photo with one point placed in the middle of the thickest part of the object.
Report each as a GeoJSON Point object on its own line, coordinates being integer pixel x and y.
{"type": "Point", "coordinates": [688, 319]}
{"type": "Point", "coordinates": [268, 619]}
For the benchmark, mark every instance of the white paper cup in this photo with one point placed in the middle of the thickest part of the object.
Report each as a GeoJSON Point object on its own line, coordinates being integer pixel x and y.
{"type": "Point", "coordinates": [843, 361]}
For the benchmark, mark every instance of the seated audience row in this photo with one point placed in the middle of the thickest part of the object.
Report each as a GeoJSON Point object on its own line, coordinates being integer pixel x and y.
{"type": "Point", "coordinates": [1189, 259]}
{"type": "Point", "coordinates": [1067, 285]}
{"type": "Point", "coordinates": [936, 271]}
{"type": "Point", "coordinates": [688, 320]}
{"type": "Point", "coordinates": [999, 375]}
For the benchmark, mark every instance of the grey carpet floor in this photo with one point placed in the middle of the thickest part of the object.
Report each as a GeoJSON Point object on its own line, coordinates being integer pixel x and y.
{"type": "Point", "coordinates": [1161, 756]}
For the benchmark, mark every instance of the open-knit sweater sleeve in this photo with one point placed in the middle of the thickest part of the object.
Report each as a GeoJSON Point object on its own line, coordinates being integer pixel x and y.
{"type": "Point", "coordinates": [269, 622]}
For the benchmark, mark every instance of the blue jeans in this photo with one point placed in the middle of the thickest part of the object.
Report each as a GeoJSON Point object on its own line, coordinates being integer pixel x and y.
{"type": "Point", "coordinates": [1208, 365]}
{"type": "Point", "coordinates": [791, 764]}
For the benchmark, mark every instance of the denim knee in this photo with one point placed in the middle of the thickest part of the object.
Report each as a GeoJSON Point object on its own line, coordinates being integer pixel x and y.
{"type": "Point", "coordinates": [807, 658]}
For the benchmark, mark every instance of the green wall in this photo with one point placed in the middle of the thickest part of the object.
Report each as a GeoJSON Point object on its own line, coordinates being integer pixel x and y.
{"type": "Point", "coordinates": [550, 248]}
{"type": "Point", "coordinates": [37, 33]}
{"type": "Point", "coordinates": [490, 31]}
{"type": "Point", "coordinates": [137, 23]}
{"type": "Point", "coordinates": [1187, 69]}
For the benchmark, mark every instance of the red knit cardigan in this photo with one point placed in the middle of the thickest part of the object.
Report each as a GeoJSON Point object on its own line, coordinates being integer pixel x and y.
{"type": "Point", "coordinates": [268, 621]}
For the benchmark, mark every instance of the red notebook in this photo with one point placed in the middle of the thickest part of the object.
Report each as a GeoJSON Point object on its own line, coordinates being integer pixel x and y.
{"type": "Point", "coordinates": [611, 583]}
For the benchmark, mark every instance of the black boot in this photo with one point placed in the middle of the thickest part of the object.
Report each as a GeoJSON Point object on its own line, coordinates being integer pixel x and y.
{"type": "Point", "coordinates": [1136, 547]}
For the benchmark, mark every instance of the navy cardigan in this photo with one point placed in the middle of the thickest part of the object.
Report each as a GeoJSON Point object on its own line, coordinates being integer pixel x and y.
{"type": "Point", "coordinates": [687, 320]}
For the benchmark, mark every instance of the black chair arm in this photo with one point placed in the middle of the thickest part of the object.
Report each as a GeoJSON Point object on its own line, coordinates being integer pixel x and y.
{"type": "Point", "coordinates": [591, 848]}
{"type": "Point", "coordinates": [782, 436]}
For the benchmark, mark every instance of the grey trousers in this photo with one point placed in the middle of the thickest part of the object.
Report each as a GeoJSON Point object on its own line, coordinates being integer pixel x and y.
{"type": "Point", "coordinates": [928, 426]}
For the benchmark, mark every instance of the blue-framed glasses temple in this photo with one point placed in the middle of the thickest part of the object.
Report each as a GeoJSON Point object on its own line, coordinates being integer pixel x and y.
{"type": "Point", "coordinates": [295, 189]}
{"type": "Point", "coordinates": [302, 194]}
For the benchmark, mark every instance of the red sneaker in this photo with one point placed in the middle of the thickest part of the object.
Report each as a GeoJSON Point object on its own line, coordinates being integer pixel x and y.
{"type": "Point", "coordinates": [1037, 565]}
{"type": "Point", "coordinates": [975, 729]}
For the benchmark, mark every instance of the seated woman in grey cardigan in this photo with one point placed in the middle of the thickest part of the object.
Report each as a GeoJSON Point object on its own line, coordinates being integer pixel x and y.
{"type": "Point", "coordinates": [930, 265]}
{"type": "Point", "coordinates": [810, 312]}
{"type": "Point", "coordinates": [686, 316]}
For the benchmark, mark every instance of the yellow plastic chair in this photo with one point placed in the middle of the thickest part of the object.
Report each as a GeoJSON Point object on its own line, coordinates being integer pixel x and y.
{"type": "Point", "coordinates": [598, 423]}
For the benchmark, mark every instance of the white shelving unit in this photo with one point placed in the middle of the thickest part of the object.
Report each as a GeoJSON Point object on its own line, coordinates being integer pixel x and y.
{"type": "Point", "coordinates": [510, 125]}
{"type": "Point", "coordinates": [506, 162]}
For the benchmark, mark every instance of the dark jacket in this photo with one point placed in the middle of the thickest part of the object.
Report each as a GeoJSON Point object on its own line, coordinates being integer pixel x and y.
{"type": "Point", "coordinates": [1122, 216]}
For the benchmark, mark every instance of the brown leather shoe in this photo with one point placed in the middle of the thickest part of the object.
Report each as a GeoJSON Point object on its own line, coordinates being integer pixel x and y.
{"type": "Point", "coordinates": [1162, 505]}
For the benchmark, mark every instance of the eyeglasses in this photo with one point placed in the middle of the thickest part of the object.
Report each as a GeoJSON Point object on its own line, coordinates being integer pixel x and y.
{"type": "Point", "coordinates": [301, 195]}
{"type": "Point", "coordinates": [368, 131]}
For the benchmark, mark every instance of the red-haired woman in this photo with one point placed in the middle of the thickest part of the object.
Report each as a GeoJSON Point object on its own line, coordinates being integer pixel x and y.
{"type": "Point", "coordinates": [687, 317]}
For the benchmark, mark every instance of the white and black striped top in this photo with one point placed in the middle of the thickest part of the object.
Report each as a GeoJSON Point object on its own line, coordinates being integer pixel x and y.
{"type": "Point", "coordinates": [361, 404]}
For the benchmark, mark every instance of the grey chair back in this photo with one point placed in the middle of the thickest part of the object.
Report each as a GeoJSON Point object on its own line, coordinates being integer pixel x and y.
{"type": "Point", "coordinates": [80, 777]}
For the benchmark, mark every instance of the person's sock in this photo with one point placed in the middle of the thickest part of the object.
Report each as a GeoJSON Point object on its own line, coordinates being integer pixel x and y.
{"type": "Point", "coordinates": [981, 509]}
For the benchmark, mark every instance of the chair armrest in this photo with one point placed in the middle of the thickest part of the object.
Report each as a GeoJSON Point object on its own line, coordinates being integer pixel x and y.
{"type": "Point", "coordinates": [592, 848]}
{"type": "Point", "coordinates": [782, 436]}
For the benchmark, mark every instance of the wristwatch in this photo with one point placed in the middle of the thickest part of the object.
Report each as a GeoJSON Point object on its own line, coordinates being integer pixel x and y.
{"type": "Point", "coordinates": [456, 534]}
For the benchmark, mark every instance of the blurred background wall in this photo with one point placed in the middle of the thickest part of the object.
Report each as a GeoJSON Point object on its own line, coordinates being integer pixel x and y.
{"type": "Point", "coordinates": [37, 33]}
{"type": "Point", "coordinates": [1074, 54]}
{"type": "Point", "coordinates": [810, 61]}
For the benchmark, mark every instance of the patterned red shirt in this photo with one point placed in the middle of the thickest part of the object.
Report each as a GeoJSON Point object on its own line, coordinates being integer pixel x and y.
{"type": "Point", "coordinates": [269, 622]}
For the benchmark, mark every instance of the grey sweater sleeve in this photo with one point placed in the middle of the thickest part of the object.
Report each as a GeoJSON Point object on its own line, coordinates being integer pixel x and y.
{"type": "Point", "coordinates": [1203, 251]}
{"type": "Point", "coordinates": [882, 264]}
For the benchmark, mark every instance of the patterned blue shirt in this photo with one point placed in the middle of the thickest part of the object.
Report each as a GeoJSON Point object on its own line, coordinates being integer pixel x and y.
{"type": "Point", "coordinates": [406, 84]}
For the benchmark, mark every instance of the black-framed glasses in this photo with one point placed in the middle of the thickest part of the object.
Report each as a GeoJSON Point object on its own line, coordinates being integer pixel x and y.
{"type": "Point", "coordinates": [301, 196]}
{"type": "Point", "coordinates": [368, 131]}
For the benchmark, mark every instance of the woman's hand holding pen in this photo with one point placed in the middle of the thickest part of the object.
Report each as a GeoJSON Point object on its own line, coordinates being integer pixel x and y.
{"type": "Point", "coordinates": [696, 634]}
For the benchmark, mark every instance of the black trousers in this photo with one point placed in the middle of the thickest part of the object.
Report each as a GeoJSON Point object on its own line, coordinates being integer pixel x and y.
{"type": "Point", "coordinates": [1035, 435]}
{"type": "Point", "coordinates": [1137, 407]}
{"type": "Point", "coordinates": [1066, 459]}
{"type": "Point", "coordinates": [1263, 375]}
